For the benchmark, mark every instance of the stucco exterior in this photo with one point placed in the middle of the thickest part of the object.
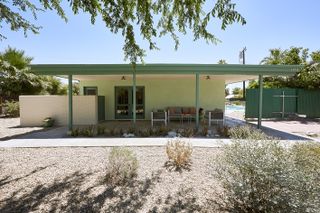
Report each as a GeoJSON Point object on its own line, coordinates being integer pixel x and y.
{"type": "Point", "coordinates": [33, 109]}
{"type": "Point", "coordinates": [161, 93]}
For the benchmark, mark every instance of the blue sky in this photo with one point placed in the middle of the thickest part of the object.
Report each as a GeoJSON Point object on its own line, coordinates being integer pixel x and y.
{"type": "Point", "coordinates": [270, 24]}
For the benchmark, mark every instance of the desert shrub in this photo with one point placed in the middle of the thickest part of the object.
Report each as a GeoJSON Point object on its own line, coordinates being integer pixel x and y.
{"type": "Point", "coordinates": [265, 176]}
{"type": "Point", "coordinates": [132, 130]}
{"type": "Point", "coordinates": [143, 133]}
{"type": "Point", "coordinates": [101, 129]}
{"type": "Point", "coordinates": [307, 156]}
{"type": "Point", "coordinates": [122, 166]}
{"type": "Point", "coordinates": [179, 153]}
{"type": "Point", "coordinates": [223, 131]}
{"type": "Point", "coordinates": [75, 132]}
{"type": "Point", "coordinates": [88, 131]}
{"type": "Point", "coordinates": [162, 131]}
{"type": "Point", "coordinates": [11, 108]}
{"type": "Point", "coordinates": [187, 132]}
{"type": "Point", "coordinates": [204, 131]}
{"type": "Point", "coordinates": [247, 132]}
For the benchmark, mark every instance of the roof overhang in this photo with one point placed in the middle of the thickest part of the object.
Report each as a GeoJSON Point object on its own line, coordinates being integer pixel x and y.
{"type": "Point", "coordinates": [176, 69]}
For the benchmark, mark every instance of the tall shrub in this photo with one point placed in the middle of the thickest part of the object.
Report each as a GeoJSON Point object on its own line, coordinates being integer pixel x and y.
{"type": "Point", "coordinates": [265, 176]}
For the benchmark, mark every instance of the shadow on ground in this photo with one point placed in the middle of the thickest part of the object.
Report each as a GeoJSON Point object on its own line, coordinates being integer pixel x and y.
{"type": "Point", "coordinates": [6, 180]}
{"type": "Point", "coordinates": [71, 194]}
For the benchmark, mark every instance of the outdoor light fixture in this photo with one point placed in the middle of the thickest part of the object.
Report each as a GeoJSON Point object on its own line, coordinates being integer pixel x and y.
{"type": "Point", "coordinates": [123, 78]}
{"type": "Point", "coordinates": [208, 77]}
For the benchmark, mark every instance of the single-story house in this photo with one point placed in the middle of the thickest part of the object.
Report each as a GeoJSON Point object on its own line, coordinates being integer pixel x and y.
{"type": "Point", "coordinates": [127, 92]}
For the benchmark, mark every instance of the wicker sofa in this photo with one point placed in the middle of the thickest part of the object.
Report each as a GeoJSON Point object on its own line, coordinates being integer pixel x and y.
{"type": "Point", "coordinates": [176, 113]}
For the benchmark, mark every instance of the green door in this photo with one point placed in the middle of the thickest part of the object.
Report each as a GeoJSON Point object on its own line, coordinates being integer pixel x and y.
{"type": "Point", "coordinates": [124, 103]}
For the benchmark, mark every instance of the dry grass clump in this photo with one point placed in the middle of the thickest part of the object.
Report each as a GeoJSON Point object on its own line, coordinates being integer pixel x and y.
{"type": "Point", "coordinates": [223, 131]}
{"type": "Point", "coordinates": [265, 176]}
{"type": "Point", "coordinates": [179, 154]}
{"type": "Point", "coordinates": [122, 166]}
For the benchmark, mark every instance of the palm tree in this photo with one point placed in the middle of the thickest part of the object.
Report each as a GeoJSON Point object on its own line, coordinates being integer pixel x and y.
{"type": "Point", "coordinates": [276, 57]}
{"type": "Point", "coordinates": [16, 78]}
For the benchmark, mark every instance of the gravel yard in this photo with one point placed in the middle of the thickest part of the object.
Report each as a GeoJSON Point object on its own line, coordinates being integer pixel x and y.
{"type": "Point", "coordinates": [11, 127]}
{"type": "Point", "coordinates": [71, 180]}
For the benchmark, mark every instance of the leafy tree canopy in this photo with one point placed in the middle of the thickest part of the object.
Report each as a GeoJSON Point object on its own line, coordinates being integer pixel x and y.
{"type": "Point", "coordinates": [154, 18]}
{"type": "Point", "coordinates": [222, 61]}
{"type": "Point", "coordinates": [307, 78]}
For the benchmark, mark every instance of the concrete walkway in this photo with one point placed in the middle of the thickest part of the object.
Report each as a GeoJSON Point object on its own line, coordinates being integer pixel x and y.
{"type": "Point", "coordinates": [94, 142]}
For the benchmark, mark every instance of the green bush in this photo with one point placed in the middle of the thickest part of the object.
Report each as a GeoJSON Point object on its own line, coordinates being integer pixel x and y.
{"type": "Point", "coordinates": [89, 131]}
{"type": "Point", "coordinates": [265, 176]}
{"type": "Point", "coordinates": [247, 132]}
{"type": "Point", "coordinates": [48, 122]}
{"type": "Point", "coordinates": [11, 108]}
{"type": "Point", "coordinates": [122, 166]}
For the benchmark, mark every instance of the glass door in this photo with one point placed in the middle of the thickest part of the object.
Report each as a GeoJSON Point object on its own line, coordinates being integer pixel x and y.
{"type": "Point", "coordinates": [124, 103]}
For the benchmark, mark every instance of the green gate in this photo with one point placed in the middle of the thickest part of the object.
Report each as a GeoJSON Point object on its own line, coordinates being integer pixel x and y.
{"type": "Point", "coordinates": [276, 103]}
{"type": "Point", "coordinates": [281, 103]}
{"type": "Point", "coordinates": [309, 103]}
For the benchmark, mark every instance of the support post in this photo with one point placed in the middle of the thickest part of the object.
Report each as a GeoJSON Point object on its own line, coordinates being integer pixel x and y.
{"type": "Point", "coordinates": [70, 105]}
{"type": "Point", "coordinates": [260, 100]}
{"type": "Point", "coordinates": [134, 89]}
{"type": "Point", "coordinates": [197, 100]}
{"type": "Point", "coordinates": [244, 90]}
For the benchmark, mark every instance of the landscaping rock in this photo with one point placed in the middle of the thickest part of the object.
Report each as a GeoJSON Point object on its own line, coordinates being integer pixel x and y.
{"type": "Point", "coordinates": [172, 134]}
{"type": "Point", "coordinates": [128, 135]}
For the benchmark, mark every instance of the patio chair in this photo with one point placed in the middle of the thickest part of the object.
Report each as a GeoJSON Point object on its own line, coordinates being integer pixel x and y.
{"type": "Point", "coordinates": [160, 116]}
{"type": "Point", "coordinates": [215, 116]}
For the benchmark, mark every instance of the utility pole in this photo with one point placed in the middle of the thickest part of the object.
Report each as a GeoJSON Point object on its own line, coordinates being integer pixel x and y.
{"type": "Point", "coordinates": [242, 56]}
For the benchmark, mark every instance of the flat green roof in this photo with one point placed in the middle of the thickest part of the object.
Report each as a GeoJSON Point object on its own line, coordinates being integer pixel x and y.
{"type": "Point", "coordinates": [206, 69]}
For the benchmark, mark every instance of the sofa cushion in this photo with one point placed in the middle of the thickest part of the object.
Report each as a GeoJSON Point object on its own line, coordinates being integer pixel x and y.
{"type": "Point", "coordinates": [193, 110]}
{"type": "Point", "coordinates": [174, 110]}
{"type": "Point", "coordinates": [186, 110]}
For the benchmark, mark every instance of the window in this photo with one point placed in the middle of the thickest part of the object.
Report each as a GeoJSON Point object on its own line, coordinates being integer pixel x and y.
{"type": "Point", "coordinates": [90, 90]}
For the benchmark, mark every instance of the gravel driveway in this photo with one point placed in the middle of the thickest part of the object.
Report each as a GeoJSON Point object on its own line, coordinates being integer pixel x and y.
{"type": "Point", "coordinates": [11, 127]}
{"type": "Point", "coordinates": [71, 180]}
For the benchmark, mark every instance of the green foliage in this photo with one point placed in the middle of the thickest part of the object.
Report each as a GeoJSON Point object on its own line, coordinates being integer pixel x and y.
{"type": "Point", "coordinates": [122, 166]}
{"type": "Point", "coordinates": [247, 132]}
{"type": "Point", "coordinates": [307, 78]}
{"type": "Point", "coordinates": [292, 56]}
{"type": "Point", "coordinates": [48, 122]}
{"type": "Point", "coordinates": [150, 19]}
{"type": "Point", "coordinates": [15, 76]}
{"type": "Point", "coordinates": [11, 108]}
{"type": "Point", "coordinates": [17, 79]}
{"type": "Point", "coordinates": [315, 56]}
{"type": "Point", "coordinates": [54, 86]}
{"type": "Point", "coordinates": [89, 131]}
{"type": "Point", "coordinates": [265, 176]}
{"type": "Point", "coordinates": [222, 61]}
{"type": "Point", "coordinates": [179, 154]}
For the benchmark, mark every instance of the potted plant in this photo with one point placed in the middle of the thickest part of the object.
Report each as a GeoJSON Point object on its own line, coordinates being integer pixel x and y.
{"type": "Point", "coordinates": [48, 122]}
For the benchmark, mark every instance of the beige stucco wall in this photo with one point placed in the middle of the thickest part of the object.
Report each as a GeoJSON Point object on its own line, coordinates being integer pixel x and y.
{"type": "Point", "coordinates": [161, 93]}
{"type": "Point", "coordinates": [33, 109]}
